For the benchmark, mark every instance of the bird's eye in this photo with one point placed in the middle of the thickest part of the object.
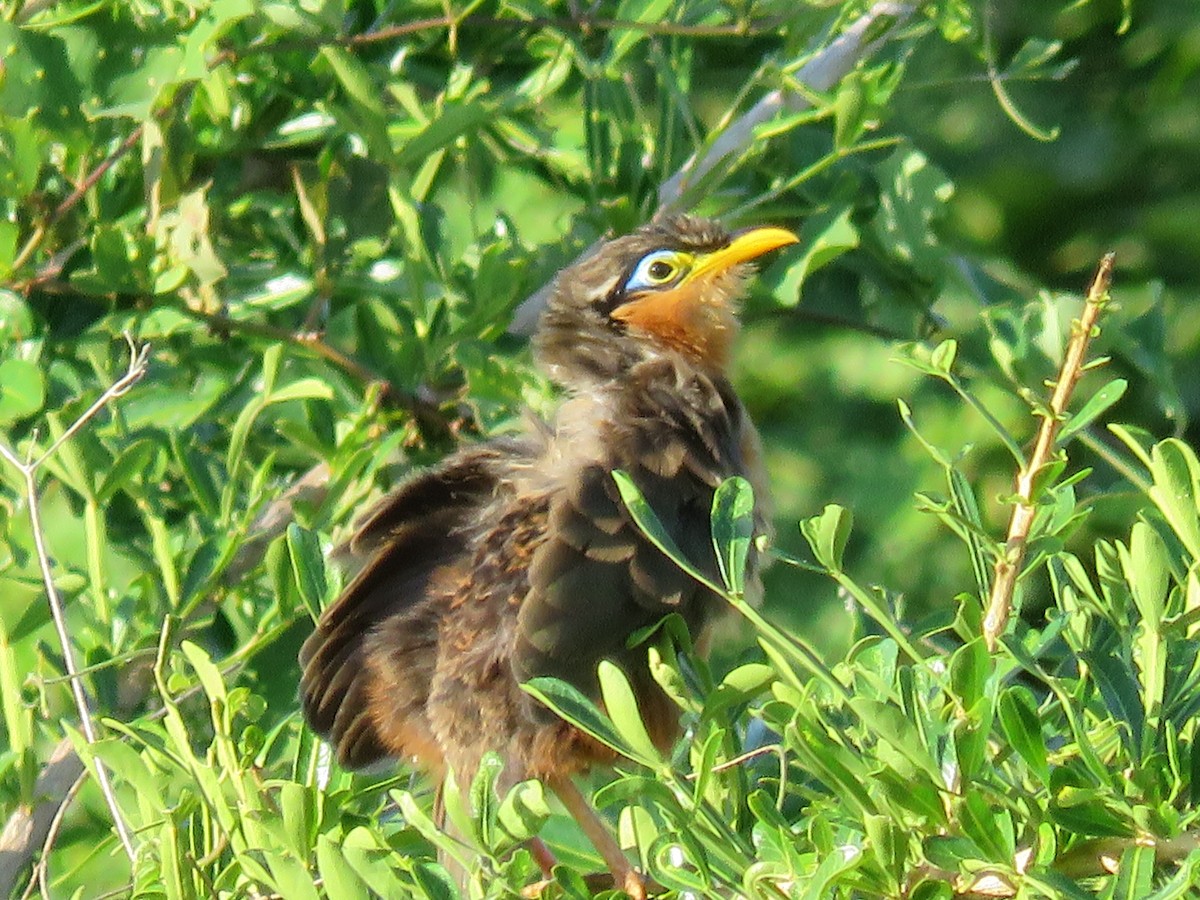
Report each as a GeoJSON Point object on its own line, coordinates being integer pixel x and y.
{"type": "Point", "coordinates": [658, 269]}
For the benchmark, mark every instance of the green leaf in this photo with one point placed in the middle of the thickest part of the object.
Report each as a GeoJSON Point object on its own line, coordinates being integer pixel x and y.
{"type": "Point", "coordinates": [1096, 406]}
{"type": "Point", "coordinates": [889, 724]}
{"type": "Point", "coordinates": [733, 530]}
{"type": "Point", "coordinates": [340, 880]}
{"type": "Point", "coordinates": [22, 389]}
{"type": "Point", "coordinates": [434, 881]}
{"type": "Point", "coordinates": [827, 534]}
{"type": "Point", "coordinates": [291, 878]}
{"type": "Point", "coordinates": [943, 355]}
{"type": "Point", "coordinates": [568, 702]}
{"type": "Point", "coordinates": [1135, 874]}
{"type": "Point", "coordinates": [308, 565]}
{"type": "Point", "coordinates": [823, 238]}
{"type": "Point", "coordinates": [483, 798]}
{"type": "Point", "coordinates": [621, 704]}
{"type": "Point", "coordinates": [1176, 489]}
{"type": "Point", "coordinates": [18, 717]}
{"type": "Point", "coordinates": [970, 668]}
{"type": "Point", "coordinates": [354, 78]}
{"type": "Point", "coordinates": [303, 389]}
{"type": "Point", "coordinates": [989, 826]}
{"type": "Point", "coordinates": [457, 809]}
{"type": "Point", "coordinates": [209, 675]}
{"type": "Point", "coordinates": [623, 40]}
{"type": "Point", "coordinates": [1023, 728]}
{"type": "Point", "coordinates": [132, 463]}
{"type": "Point", "coordinates": [1090, 812]}
{"type": "Point", "coordinates": [374, 862]}
{"type": "Point", "coordinates": [521, 814]}
{"type": "Point", "coordinates": [297, 817]}
{"type": "Point", "coordinates": [914, 195]}
{"type": "Point", "coordinates": [647, 520]}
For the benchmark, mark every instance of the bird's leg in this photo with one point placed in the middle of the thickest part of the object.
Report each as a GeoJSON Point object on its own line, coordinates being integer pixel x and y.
{"type": "Point", "coordinates": [546, 861]}
{"type": "Point", "coordinates": [625, 876]}
{"type": "Point", "coordinates": [543, 855]}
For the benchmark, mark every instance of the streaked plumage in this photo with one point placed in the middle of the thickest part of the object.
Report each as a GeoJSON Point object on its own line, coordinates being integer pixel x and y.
{"type": "Point", "coordinates": [516, 558]}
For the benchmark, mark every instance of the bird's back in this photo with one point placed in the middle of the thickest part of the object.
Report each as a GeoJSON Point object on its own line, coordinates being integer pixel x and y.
{"type": "Point", "coordinates": [518, 559]}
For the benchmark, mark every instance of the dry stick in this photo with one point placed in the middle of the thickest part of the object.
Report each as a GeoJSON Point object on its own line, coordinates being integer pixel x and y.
{"type": "Point", "coordinates": [582, 24]}
{"type": "Point", "coordinates": [41, 872]}
{"type": "Point", "coordinates": [138, 360]}
{"type": "Point", "coordinates": [820, 73]}
{"type": "Point", "coordinates": [28, 827]}
{"type": "Point", "coordinates": [76, 195]}
{"type": "Point", "coordinates": [1009, 565]}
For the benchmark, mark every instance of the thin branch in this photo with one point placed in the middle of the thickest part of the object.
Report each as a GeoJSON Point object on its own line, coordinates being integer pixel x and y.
{"type": "Point", "coordinates": [41, 871]}
{"type": "Point", "coordinates": [820, 73]}
{"type": "Point", "coordinates": [76, 195]}
{"type": "Point", "coordinates": [580, 24]}
{"type": "Point", "coordinates": [313, 343]}
{"type": "Point", "coordinates": [138, 360]}
{"type": "Point", "coordinates": [1009, 565]}
{"type": "Point", "coordinates": [28, 826]}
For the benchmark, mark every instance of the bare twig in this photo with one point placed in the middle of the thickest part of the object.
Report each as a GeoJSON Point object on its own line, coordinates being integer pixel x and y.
{"type": "Point", "coordinates": [1009, 565]}
{"type": "Point", "coordinates": [35, 239]}
{"type": "Point", "coordinates": [28, 827]}
{"type": "Point", "coordinates": [820, 73]}
{"type": "Point", "coordinates": [581, 24]}
{"type": "Point", "coordinates": [310, 342]}
{"type": "Point", "coordinates": [41, 871]}
{"type": "Point", "coordinates": [138, 360]}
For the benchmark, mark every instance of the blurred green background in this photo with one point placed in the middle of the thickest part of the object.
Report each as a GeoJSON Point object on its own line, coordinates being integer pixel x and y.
{"type": "Point", "coordinates": [1122, 174]}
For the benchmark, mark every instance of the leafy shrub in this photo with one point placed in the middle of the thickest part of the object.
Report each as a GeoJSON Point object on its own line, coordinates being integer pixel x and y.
{"type": "Point", "coordinates": [324, 216]}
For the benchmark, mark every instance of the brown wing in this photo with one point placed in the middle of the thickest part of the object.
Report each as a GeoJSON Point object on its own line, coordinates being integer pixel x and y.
{"type": "Point", "coordinates": [414, 533]}
{"type": "Point", "coordinates": [596, 578]}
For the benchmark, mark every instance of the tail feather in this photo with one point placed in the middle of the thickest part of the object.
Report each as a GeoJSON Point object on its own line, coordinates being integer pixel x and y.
{"type": "Point", "coordinates": [351, 689]}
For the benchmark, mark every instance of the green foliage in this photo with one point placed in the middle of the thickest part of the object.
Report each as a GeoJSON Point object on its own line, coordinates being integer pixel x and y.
{"type": "Point", "coordinates": [1016, 771]}
{"type": "Point", "coordinates": [324, 216]}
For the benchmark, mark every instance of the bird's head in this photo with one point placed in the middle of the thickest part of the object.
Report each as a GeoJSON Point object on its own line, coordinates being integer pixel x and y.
{"type": "Point", "coordinates": [670, 286]}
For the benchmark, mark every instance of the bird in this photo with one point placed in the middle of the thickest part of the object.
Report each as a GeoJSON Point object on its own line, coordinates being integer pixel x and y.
{"type": "Point", "coordinates": [516, 558]}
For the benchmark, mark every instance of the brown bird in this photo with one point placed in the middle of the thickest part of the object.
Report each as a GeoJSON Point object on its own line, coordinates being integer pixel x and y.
{"type": "Point", "coordinates": [516, 558]}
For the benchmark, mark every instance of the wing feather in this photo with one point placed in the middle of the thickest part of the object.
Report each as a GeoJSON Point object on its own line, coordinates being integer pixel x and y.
{"type": "Point", "coordinates": [419, 530]}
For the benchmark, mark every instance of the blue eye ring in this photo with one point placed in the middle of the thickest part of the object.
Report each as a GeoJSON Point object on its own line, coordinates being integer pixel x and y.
{"type": "Point", "coordinates": [658, 269]}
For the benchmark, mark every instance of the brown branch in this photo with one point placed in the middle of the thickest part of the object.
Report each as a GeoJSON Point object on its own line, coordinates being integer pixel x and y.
{"type": "Point", "coordinates": [425, 410]}
{"type": "Point", "coordinates": [28, 827]}
{"type": "Point", "coordinates": [76, 195]}
{"type": "Point", "coordinates": [1008, 567]}
{"type": "Point", "coordinates": [581, 24]}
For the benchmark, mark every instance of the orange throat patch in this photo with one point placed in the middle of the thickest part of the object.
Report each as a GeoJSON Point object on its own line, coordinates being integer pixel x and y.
{"type": "Point", "coordinates": [696, 319]}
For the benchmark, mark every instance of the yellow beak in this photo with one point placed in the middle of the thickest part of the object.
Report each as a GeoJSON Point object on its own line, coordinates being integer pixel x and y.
{"type": "Point", "coordinates": [744, 247]}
